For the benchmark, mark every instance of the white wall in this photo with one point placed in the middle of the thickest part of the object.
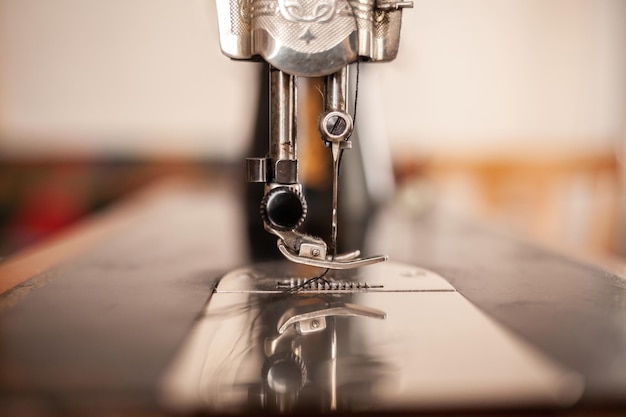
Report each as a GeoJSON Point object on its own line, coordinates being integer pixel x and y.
{"type": "Point", "coordinates": [474, 77]}
{"type": "Point", "coordinates": [496, 77]}
{"type": "Point", "coordinates": [119, 76]}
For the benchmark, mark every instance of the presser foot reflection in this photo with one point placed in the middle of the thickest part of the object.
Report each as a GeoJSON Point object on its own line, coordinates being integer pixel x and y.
{"type": "Point", "coordinates": [305, 336]}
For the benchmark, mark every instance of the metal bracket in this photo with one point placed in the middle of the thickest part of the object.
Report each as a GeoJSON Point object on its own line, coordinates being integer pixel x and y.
{"type": "Point", "coordinates": [344, 261]}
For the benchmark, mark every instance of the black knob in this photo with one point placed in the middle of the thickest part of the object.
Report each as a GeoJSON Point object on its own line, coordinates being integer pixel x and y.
{"type": "Point", "coordinates": [284, 373]}
{"type": "Point", "coordinates": [283, 208]}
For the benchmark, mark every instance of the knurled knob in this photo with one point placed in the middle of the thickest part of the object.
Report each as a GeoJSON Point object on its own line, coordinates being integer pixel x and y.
{"type": "Point", "coordinates": [284, 373]}
{"type": "Point", "coordinates": [283, 208]}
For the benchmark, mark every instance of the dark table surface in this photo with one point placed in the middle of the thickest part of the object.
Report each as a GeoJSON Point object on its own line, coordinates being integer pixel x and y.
{"type": "Point", "coordinates": [97, 331]}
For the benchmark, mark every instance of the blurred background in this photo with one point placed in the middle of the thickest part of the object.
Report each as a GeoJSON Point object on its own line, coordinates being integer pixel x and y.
{"type": "Point", "coordinates": [513, 110]}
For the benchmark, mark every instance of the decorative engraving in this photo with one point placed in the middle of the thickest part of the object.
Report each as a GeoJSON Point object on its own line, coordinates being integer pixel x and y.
{"type": "Point", "coordinates": [381, 23]}
{"type": "Point", "coordinates": [307, 11]}
{"type": "Point", "coordinates": [239, 17]}
{"type": "Point", "coordinates": [310, 37]}
{"type": "Point", "coordinates": [305, 26]}
{"type": "Point", "coordinates": [244, 12]}
{"type": "Point", "coordinates": [307, 36]}
{"type": "Point", "coordinates": [263, 8]}
{"type": "Point", "coordinates": [363, 12]}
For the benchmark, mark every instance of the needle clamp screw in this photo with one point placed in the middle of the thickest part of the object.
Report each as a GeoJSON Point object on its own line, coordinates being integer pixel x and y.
{"type": "Point", "coordinates": [336, 126]}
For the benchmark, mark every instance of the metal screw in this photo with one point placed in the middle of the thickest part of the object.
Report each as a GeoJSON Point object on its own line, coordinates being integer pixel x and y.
{"type": "Point", "coordinates": [336, 125]}
{"type": "Point", "coordinates": [315, 324]}
{"type": "Point", "coordinates": [315, 252]}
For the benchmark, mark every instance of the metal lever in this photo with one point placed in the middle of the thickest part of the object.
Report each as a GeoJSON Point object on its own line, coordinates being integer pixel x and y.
{"type": "Point", "coordinates": [342, 261]}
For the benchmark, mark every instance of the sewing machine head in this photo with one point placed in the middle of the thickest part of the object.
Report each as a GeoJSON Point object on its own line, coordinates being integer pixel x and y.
{"type": "Point", "coordinates": [310, 38]}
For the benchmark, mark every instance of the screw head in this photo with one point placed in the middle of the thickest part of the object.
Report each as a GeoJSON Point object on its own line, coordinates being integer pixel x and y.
{"type": "Point", "coordinates": [336, 126]}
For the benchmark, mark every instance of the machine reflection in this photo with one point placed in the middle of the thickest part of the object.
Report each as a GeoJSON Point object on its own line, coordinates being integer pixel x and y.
{"type": "Point", "coordinates": [279, 338]}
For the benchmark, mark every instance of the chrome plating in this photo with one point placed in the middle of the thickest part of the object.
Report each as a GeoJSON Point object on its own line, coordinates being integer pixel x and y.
{"type": "Point", "coordinates": [310, 37]}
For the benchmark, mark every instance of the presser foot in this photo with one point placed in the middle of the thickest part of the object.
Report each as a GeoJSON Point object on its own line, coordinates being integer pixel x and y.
{"type": "Point", "coordinates": [343, 261]}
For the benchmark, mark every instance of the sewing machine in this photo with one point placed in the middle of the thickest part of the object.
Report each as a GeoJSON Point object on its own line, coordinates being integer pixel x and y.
{"type": "Point", "coordinates": [461, 318]}
{"type": "Point", "coordinates": [328, 332]}
{"type": "Point", "coordinates": [308, 39]}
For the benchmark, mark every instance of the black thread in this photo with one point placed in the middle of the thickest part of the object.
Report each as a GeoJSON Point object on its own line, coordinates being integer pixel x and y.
{"type": "Point", "coordinates": [310, 281]}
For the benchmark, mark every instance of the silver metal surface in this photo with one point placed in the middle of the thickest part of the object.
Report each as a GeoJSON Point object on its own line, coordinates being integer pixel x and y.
{"type": "Point", "coordinates": [306, 319]}
{"type": "Point", "coordinates": [330, 263]}
{"type": "Point", "coordinates": [313, 352]}
{"type": "Point", "coordinates": [310, 37]}
{"type": "Point", "coordinates": [382, 277]}
{"type": "Point", "coordinates": [282, 147]}
{"type": "Point", "coordinates": [335, 127]}
{"type": "Point", "coordinates": [336, 87]}
{"type": "Point", "coordinates": [282, 116]}
{"type": "Point", "coordinates": [256, 169]}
